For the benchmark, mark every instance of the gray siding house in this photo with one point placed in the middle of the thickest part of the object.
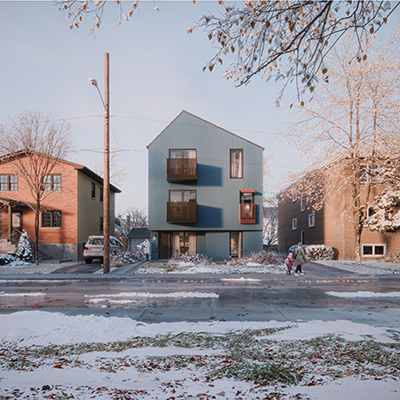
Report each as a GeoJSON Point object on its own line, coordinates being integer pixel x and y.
{"type": "Point", "coordinates": [205, 191]}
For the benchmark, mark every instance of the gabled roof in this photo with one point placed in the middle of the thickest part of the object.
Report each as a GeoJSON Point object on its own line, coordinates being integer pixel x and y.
{"type": "Point", "coordinates": [203, 120]}
{"type": "Point", "coordinates": [79, 167]}
{"type": "Point", "coordinates": [139, 233]}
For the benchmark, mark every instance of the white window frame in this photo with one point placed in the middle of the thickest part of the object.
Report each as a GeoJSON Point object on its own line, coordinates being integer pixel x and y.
{"type": "Point", "coordinates": [311, 220]}
{"type": "Point", "coordinates": [302, 203]}
{"type": "Point", "coordinates": [294, 224]}
{"type": "Point", "coordinates": [294, 198]}
{"type": "Point", "coordinates": [373, 249]}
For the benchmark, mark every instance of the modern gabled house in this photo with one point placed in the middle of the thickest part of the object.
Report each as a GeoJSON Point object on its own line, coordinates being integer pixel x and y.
{"type": "Point", "coordinates": [205, 191]}
{"type": "Point", "coordinates": [332, 225]}
{"type": "Point", "coordinates": [71, 211]}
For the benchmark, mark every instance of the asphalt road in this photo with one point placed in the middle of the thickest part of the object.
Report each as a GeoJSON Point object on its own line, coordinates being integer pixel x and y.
{"type": "Point", "coordinates": [155, 298]}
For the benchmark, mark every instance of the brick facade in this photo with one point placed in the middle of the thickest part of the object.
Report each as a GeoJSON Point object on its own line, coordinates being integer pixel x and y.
{"type": "Point", "coordinates": [333, 226]}
{"type": "Point", "coordinates": [80, 214]}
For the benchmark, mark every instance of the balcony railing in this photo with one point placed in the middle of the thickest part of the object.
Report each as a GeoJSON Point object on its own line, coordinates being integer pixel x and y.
{"type": "Point", "coordinates": [182, 212]}
{"type": "Point", "coordinates": [247, 213]}
{"type": "Point", "coordinates": [181, 169]}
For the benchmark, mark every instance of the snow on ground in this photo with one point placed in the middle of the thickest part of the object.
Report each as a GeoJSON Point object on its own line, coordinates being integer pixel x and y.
{"type": "Point", "coordinates": [364, 294]}
{"type": "Point", "coordinates": [50, 355]}
{"type": "Point", "coordinates": [174, 267]}
{"type": "Point", "coordinates": [367, 267]}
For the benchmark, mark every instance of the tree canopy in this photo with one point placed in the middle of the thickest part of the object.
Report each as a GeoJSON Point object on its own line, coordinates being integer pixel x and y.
{"type": "Point", "coordinates": [287, 40]}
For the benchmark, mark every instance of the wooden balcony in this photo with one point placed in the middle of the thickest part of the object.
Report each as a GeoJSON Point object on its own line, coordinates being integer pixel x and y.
{"type": "Point", "coordinates": [247, 213]}
{"type": "Point", "coordinates": [181, 169]}
{"type": "Point", "coordinates": [182, 212]}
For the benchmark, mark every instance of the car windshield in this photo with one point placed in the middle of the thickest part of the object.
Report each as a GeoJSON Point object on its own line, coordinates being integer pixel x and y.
{"type": "Point", "coordinates": [96, 241]}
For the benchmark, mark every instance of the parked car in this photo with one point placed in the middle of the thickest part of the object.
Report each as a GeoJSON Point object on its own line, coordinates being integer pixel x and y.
{"type": "Point", "coordinates": [93, 248]}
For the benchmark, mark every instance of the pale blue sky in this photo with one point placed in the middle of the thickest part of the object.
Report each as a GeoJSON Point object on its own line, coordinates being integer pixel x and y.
{"type": "Point", "coordinates": [156, 71]}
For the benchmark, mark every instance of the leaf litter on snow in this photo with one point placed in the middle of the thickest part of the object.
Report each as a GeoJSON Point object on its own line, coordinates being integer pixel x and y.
{"type": "Point", "coordinates": [243, 364]}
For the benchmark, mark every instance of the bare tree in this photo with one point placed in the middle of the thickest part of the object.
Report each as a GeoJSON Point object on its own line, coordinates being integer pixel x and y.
{"type": "Point", "coordinates": [133, 218]}
{"type": "Point", "coordinates": [284, 39]}
{"type": "Point", "coordinates": [353, 123]}
{"type": "Point", "coordinates": [35, 143]}
{"type": "Point", "coordinates": [270, 222]}
{"type": "Point", "coordinates": [288, 39]}
{"type": "Point", "coordinates": [117, 171]}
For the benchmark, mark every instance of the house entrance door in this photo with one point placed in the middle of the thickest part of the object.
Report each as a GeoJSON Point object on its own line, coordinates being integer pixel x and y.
{"type": "Point", "coordinates": [164, 245]}
{"type": "Point", "coordinates": [16, 221]}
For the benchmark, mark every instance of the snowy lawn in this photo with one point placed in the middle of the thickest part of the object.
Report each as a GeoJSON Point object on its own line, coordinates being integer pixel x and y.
{"type": "Point", "coordinates": [174, 267]}
{"type": "Point", "coordinates": [52, 356]}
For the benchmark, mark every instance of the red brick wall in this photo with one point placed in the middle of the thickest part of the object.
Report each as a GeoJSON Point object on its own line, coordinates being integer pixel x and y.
{"type": "Point", "coordinates": [333, 225]}
{"type": "Point", "coordinates": [65, 200]}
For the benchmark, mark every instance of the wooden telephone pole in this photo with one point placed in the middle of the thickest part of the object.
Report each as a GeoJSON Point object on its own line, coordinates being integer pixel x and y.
{"type": "Point", "coordinates": [106, 181]}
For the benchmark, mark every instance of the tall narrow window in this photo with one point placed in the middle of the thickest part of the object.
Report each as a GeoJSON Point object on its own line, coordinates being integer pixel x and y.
{"type": "Point", "coordinates": [101, 195]}
{"type": "Point", "coordinates": [237, 163]}
{"type": "Point", "coordinates": [311, 220]}
{"type": "Point", "coordinates": [303, 203]}
{"type": "Point", "coordinates": [101, 225]}
{"type": "Point", "coordinates": [236, 244]}
{"type": "Point", "coordinates": [294, 224]}
{"type": "Point", "coordinates": [93, 191]}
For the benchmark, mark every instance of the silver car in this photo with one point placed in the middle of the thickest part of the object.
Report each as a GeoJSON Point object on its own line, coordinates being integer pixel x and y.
{"type": "Point", "coordinates": [94, 248]}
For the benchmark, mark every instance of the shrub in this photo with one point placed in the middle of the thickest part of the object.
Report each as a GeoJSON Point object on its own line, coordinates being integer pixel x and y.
{"type": "Point", "coordinates": [317, 252]}
{"type": "Point", "coordinates": [392, 257]}
{"type": "Point", "coordinates": [194, 258]}
{"type": "Point", "coordinates": [263, 257]}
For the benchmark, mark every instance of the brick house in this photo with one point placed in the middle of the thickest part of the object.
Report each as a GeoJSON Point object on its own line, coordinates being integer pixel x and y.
{"type": "Point", "coordinates": [72, 211]}
{"type": "Point", "coordinates": [298, 222]}
{"type": "Point", "coordinates": [205, 191]}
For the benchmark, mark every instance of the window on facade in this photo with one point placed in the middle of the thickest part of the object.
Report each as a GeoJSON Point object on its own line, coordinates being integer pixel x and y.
{"type": "Point", "coordinates": [101, 225]}
{"type": "Point", "coordinates": [367, 173]}
{"type": "Point", "coordinates": [294, 224]}
{"type": "Point", "coordinates": [52, 183]}
{"type": "Point", "coordinates": [294, 198]}
{"type": "Point", "coordinates": [302, 203]}
{"type": "Point", "coordinates": [101, 195]}
{"type": "Point", "coordinates": [236, 244]}
{"type": "Point", "coordinates": [93, 191]}
{"type": "Point", "coordinates": [311, 220]}
{"type": "Point", "coordinates": [237, 163]}
{"type": "Point", "coordinates": [182, 196]}
{"type": "Point", "coordinates": [9, 183]}
{"type": "Point", "coordinates": [51, 219]}
{"type": "Point", "coordinates": [184, 243]}
{"type": "Point", "coordinates": [373, 250]}
{"type": "Point", "coordinates": [182, 153]}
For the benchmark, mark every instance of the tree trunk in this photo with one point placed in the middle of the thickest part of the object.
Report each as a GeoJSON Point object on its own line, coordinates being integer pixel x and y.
{"type": "Point", "coordinates": [37, 215]}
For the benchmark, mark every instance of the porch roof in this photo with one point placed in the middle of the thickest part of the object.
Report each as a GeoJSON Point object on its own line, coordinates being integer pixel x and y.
{"type": "Point", "coordinates": [13, 203]}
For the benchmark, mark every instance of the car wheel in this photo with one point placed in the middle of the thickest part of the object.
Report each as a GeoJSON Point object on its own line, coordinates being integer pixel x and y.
{"type": "Point", "coordinates": [88, 260]}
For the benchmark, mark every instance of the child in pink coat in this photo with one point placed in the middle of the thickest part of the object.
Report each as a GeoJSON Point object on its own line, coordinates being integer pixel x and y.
{"type": "Point", "coordinates": [289, 261]}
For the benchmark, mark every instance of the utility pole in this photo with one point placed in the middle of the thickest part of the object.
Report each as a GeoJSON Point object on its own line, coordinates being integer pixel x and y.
{"type": "Point", "coordinates": [106, 181]}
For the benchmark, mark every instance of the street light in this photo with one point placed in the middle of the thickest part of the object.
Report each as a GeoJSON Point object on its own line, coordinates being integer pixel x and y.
{"type": "Point", "coordinates": [106, 179]}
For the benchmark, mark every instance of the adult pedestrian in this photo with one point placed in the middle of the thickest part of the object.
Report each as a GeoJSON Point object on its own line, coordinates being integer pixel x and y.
{"type": "Point", "coordinates": [299, 259]}
{"type": "Point", "coordinates": [146, 248]}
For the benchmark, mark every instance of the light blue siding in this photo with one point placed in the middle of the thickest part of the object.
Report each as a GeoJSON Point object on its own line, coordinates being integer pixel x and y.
{"type": "Point", "coordinates": [218, 196]}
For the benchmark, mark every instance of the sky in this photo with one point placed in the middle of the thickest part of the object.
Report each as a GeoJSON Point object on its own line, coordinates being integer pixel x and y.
{"type": "Point", "coordinates": [156, 71]}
